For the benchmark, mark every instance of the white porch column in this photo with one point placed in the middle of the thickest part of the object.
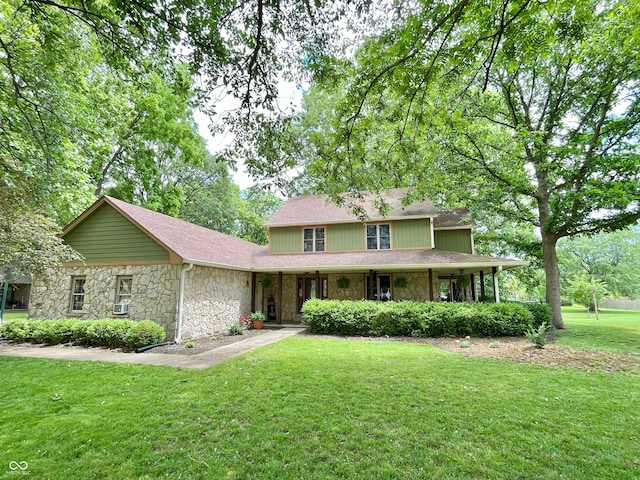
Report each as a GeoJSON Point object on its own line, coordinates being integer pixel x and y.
{"type": "Point", "coordinates": [496, 290]}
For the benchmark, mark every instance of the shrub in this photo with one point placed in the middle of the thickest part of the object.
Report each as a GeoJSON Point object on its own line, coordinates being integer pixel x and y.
{"type": "Point", "coordinates": [108, 333]}
{"type": "Point", "coordinates": [417, 319]}
{"type": "Point", "coordinates": [100, 333]}
{"type": "Point", "coordinates": [237, 329]}
{"type": "Point", "coordinates": [144, 333]}
{"type": "Point", "coordinates": [17, 330]}
{"type": "Point", "coordinates": [541, 313]}
{"type": "Point", "coordinates": [538, 336]}
{"type": "Point", "coordinates": [52, 332]}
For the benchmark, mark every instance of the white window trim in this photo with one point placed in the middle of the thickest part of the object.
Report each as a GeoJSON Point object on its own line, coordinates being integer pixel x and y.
{"type": "Point", "coordinates": [127, 295]}
{"type": "Point", "coordinates": [366, 236]}
{"type": "Point", "coordinates": [73, 293]}
{"type": "Point", "coordinates": [314, 239]}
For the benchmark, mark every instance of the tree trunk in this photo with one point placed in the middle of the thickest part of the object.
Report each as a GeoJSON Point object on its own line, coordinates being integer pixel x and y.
{"type": "Point", "coordinates": [552, 277]}
{"type": "Point", "coordinates": [549, 254]}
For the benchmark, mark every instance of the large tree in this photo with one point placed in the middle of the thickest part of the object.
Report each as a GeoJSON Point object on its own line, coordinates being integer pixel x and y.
{"type": "Point", "coordinates": [29, 242]}
{"type": "Point", "coordinates": [97, 96]}
{"type": "Point", "coordinates": [73, 124]}
{"type": "Point", "coordinates": [61, 59]}
{"type": "Point", "coordinates": [523, 109]}
{"type": "Point", "coordinates": [611, 257]}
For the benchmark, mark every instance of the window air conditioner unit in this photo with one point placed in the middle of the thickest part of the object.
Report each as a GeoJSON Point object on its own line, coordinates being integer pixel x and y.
{"type": "Point", "coordinates": [120, 308]}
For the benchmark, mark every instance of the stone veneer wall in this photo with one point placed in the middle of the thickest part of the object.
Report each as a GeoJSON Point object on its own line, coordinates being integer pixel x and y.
{"type": "Point", "coordinates": [417, 288]}
{"type": "Point", "coordinates": [355, 290]}
{"type": "Point", "coordinates": [154, 293]}
{"type": "Point", "coordinates": [214, 299]}
{"type": "Point", "coordinates": [289, 296]}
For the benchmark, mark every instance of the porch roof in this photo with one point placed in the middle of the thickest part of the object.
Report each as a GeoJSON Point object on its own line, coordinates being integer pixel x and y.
{"type": "Point", "coordinates": [380, 260]}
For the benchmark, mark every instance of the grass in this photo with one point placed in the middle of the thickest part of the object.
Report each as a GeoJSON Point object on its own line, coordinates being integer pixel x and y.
{"type": "Point", "coordinates": [614, 330]}
{"type": "Point", "coordinates": [306, 408]}
{"type": "Point", "coordinates": [9, 315]}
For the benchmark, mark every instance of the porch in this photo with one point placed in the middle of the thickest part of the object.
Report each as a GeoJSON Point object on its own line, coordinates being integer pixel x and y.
{"type": "Point", "coordinates": [281, 295]}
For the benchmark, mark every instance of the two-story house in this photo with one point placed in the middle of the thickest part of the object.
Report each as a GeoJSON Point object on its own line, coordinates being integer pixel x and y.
{"type": "Point", "coordinates": [419, 252]}
{"type": "Point", "coordinates": [194, 281]}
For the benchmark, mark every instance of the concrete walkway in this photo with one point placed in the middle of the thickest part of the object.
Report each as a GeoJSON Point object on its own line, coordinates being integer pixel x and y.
{"type": "Point", "coordinates": [200, 360]}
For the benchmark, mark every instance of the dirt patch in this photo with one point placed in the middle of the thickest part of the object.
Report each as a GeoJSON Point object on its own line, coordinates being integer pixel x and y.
{"type": "Point", "coordinates": [204, 344]}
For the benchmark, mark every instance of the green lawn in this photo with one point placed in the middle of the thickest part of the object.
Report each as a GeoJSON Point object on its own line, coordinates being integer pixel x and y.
{"type": "Point", "coordinates": [614, 330]}
{"type": "Point", "coordinates": [307, 408]}
{"type": "Point", "coordinates": [9, 315]}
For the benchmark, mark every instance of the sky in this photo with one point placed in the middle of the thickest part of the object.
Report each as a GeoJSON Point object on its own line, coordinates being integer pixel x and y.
{"type": "Point", "coordinates": [288, 92]}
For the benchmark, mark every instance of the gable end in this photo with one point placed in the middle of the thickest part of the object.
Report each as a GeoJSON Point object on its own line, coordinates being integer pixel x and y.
{"type": "Point", "coordinates": [106, 236]}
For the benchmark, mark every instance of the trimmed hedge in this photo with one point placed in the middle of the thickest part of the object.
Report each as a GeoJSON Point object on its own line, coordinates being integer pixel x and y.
{"type": "Point", "coordinates": [417, 319]}
{"type": "Point", "coordinates": [111, 333]}
{"type": "Point", "coordinates": [541, 313]}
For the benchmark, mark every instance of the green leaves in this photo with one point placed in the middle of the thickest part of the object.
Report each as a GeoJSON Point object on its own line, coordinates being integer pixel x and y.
{"type": "Point", "coordinates": [29, 242]}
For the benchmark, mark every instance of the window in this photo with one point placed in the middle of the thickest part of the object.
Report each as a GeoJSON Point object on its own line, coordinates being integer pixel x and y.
{"type": "Point", "coordinates": [381, 287]}
{"type": "Point", "coordinates": [378, 237]}
{"type": "Point", "coordinates": [314, 239]}
{"type": "Point", "coordinates": [77, 293]}
{"type": "Point", "coordinates": [123, 294]}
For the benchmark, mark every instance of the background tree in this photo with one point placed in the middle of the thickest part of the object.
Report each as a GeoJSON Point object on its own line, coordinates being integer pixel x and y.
{"type": "Point", "coordinates": [60, 60]}
{"type": "Point", "coordinates": [587, 291]}
{"type": "Point", "coordinates": [98, 96]}
{"type": "Point", "coordinates": [29, 242]}
{"type": "Point", "coordinates": [256, 208]}
{"type": "Point", "coordinates": [212, 200]}
{"type": "Point", "coordinates": [612, 258]}
{"type": "Point", "coordinates": [147, 140]}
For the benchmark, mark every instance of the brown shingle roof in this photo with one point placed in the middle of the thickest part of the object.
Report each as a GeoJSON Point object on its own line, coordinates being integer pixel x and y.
{"type": "Point", "coordinates": [315, 209]}
{"type": "Point", "coordinates": [453, 218]}
{"type": "Point", "coordinates": [190, 242]}
{"type": "Point", "coordinates": [376, 260]}
{"type": "Point", "coordinates": [204, 246]}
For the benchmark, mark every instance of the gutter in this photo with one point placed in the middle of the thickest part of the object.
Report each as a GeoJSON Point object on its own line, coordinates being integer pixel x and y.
{"type": "Point", "coordinates": [181, 302]}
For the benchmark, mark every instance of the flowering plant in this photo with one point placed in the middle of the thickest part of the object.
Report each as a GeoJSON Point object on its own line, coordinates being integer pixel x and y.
{"type": "Point", "coordinates": [245, 321]}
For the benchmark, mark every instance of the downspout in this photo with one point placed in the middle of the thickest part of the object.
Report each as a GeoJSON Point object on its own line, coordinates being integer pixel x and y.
{"type": "Point", "coordinates": [181, 302]}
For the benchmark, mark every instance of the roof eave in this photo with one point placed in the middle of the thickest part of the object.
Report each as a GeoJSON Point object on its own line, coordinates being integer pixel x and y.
{"type": "Point", "coordinates": [504, 265]}
{"type": "Point", "coordinates": [355, 220]}
{"type": "Point", "coordinates": [204, 263]}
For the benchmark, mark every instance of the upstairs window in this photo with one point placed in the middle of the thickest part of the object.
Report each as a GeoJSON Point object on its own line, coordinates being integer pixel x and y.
{"type": "Point", "coordinates": [123, 293]}
{"type": "Point", "coordinates": [77, 293]}
{"type": "Point", "coordinates": [378, 237]}
{"type": "Point", "coordinates": [313, 239]}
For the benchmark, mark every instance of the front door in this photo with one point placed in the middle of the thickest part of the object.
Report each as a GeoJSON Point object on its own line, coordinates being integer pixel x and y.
{"type": "Point", "coordinates": [382, 287]}
{"type": "Point", "coordinates": [308, 288]}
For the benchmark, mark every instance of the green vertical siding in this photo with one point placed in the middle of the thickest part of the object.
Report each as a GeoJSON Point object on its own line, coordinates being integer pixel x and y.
{"type": "Point", "coordinates": [285, 240]}
{"type": "Point", "coordinates": [107, 236]}
{"type": "Point", "coordinates": [411, 233]}
{"type": "Point", "coordinates": [345, 237]}
{"type": "Point", "coordinates": [453, 240]}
